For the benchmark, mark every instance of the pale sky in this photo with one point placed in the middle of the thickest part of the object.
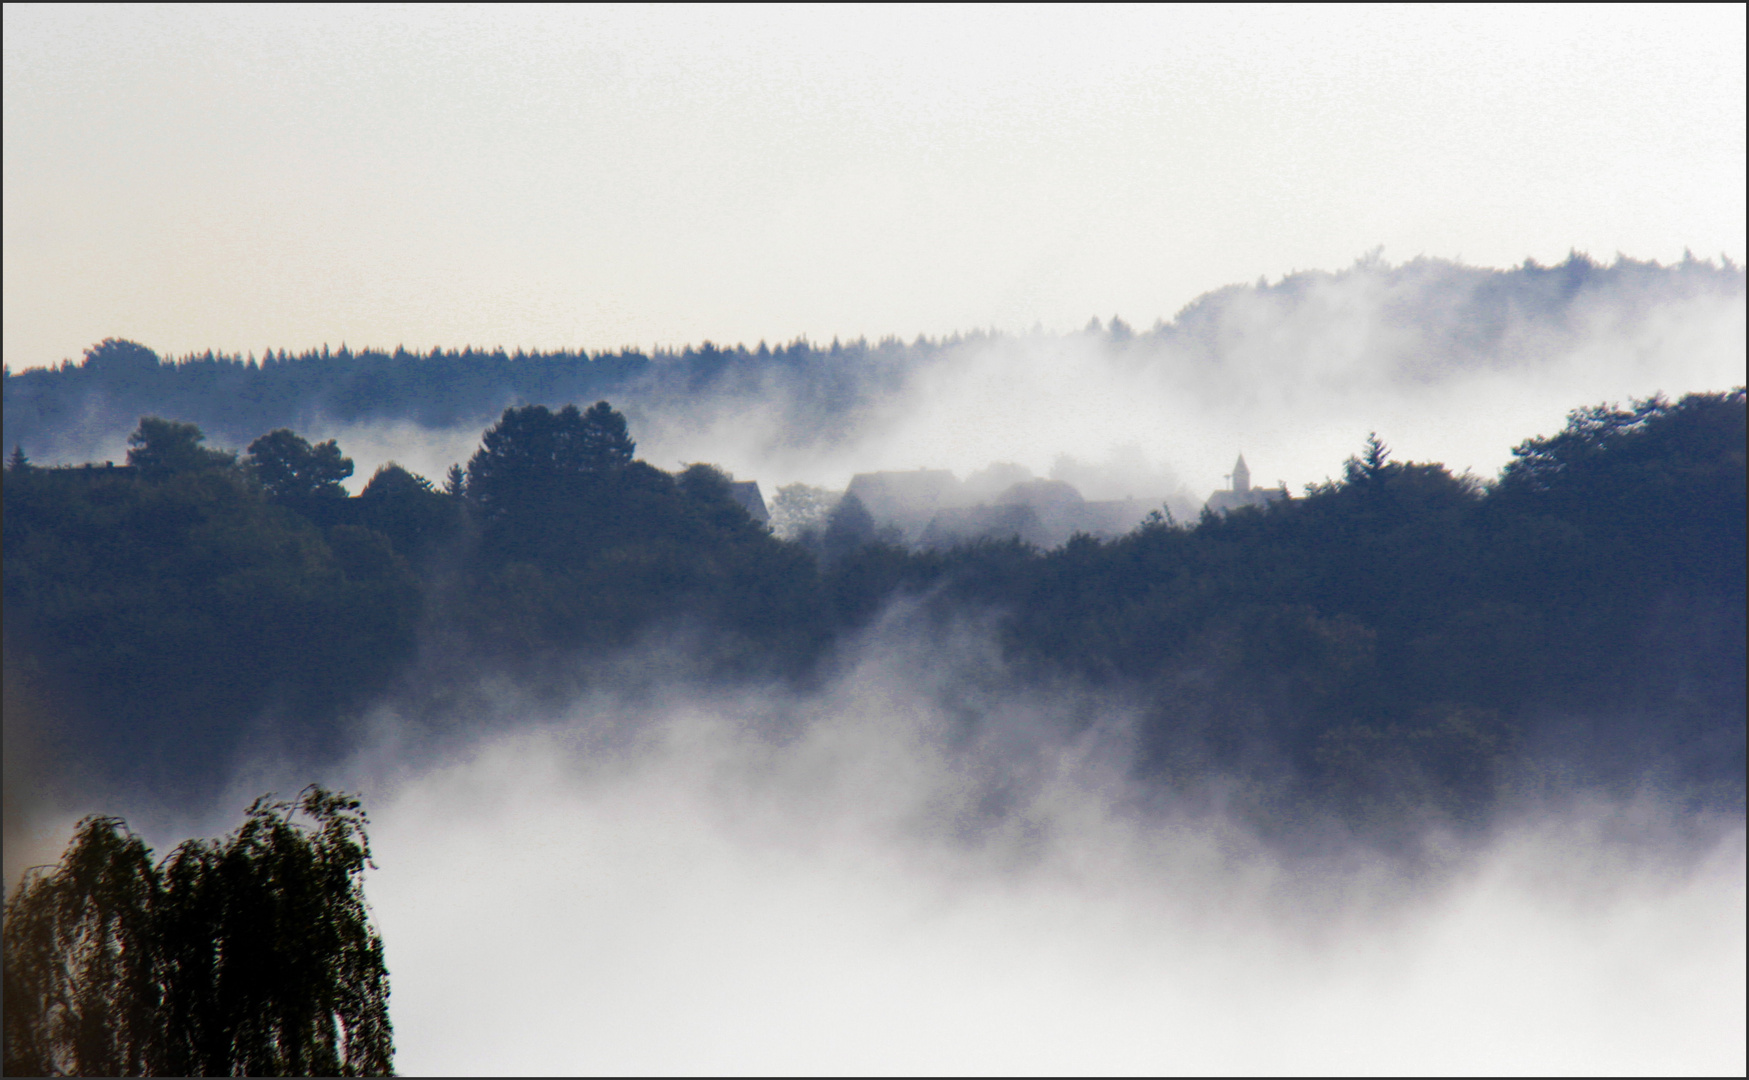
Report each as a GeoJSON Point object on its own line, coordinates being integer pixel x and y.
{"type": "Point", "coordinates": [239, 178]}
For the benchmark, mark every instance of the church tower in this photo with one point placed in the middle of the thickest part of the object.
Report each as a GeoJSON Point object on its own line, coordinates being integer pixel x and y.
{"type": "Point", "coordinates": [1242, 493]}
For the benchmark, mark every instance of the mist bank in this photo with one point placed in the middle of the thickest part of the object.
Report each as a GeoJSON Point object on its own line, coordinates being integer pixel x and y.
{"type": "Point", "coordinates": [1399, 647]}
{"type": "Point", "coordinates": [918, 862]}
{"type": "Point", "coordinates": [1449, 362]}
{"type": "Point", "coordinates": [710, 902]}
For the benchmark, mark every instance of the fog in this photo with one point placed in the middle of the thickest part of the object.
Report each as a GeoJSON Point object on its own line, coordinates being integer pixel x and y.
{"type": "Point", "coordinates": [1295, 382]}
{"type": "Point", "coordinates": [667, 920]}
{"type": "Point", "coordinates": [922, 866]}
{"type": "Point", "coordinates": [1447, 363]}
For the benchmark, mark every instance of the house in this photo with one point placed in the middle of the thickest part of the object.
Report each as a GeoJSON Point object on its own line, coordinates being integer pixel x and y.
{"type": "Point", "coordinates": [746, 492]}
{"type": "Point", "coordinates": [1042, 512]}
{"type": "Point", "coordinates": [934, 508]}
{"type": "Point", "coordinates": [908, 499]}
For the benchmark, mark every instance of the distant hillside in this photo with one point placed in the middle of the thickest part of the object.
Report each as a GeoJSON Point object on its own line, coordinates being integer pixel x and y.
{"type": "Point", "coordinates": [1420, 321]}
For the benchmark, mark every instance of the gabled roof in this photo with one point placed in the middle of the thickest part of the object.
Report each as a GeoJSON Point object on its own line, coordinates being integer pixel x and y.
{"type": "Point", "coordinates": [746, 492]}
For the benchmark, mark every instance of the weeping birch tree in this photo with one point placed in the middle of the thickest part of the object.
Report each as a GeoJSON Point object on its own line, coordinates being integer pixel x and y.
{"type": "Point", "coordinates": [250, 955]}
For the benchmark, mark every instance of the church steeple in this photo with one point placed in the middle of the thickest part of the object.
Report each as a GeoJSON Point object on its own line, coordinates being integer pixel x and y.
{"type": "Point", "coordinates": [1241, 475]}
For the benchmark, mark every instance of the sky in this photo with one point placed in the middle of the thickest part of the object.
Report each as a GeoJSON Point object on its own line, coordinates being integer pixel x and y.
{"type": "Point", "coordinates": [243, 178]}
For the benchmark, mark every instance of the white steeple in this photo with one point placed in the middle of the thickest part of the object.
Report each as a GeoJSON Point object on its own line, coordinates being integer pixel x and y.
{"type": "Point", "coordinates": [1241, 475]}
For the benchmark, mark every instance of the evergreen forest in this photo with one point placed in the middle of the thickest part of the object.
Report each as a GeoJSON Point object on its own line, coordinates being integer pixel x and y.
{"type": "Point", "coordinates": [1446, 316]}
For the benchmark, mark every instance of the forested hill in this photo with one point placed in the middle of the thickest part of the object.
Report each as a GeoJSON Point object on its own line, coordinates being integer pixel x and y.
{"type": "Point", "coordinates": [1434, 315]}
{"type": "Point", "coordinates": [1399, 642]}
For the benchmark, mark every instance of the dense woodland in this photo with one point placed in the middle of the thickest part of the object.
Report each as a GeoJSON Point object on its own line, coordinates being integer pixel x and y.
{"type": "Point", "coordinates": [1400, 639]}
{"type": "Point", "coordinates": [1447, 316]}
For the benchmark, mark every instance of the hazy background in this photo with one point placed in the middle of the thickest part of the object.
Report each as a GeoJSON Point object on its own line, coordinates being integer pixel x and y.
{"type": "Point", "coordinates": [238, 178]}
{"type": "Point", "coordinates": [1446, 361]}
{"type": "Point", "coordinates": [664, 881]}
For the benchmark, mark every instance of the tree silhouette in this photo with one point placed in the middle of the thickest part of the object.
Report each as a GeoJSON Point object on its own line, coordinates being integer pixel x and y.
{"type": "Point", "coordinates": [252, 955]}
{"type": "Point", "coordinates": [455, 482]}
{"type": "Point", "coordinates": [605, 441]}
{"type": "Point", "coordinates": [848, 527]}
{"type": "Point", "coordinates": [532, 451]}
{"type": "Point", "coordinates": [392, 481]}
{"type": "Point", "coordinates": [290, 468]}
{"type": "Point", "coordinates": [162, 447]}
{"type": "Point", "coordinates": [1369, 469]}
{"type": "Point", "coordinates": [406, 508]}
{"type": "Point", "coordinates": [121, 356]}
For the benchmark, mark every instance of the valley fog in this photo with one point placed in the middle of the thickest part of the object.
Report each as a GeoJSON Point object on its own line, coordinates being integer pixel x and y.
{"type": "Point", "coordinates": [920, 866]}
{"type": "Point", "coordinates": [697, 881]}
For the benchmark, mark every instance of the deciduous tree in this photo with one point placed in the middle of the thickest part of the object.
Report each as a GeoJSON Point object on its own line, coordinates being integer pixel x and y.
{"type": "Point", "coordinates": [289, 467]}
{"type": "Point", "coordinates": [251, 955]}
{"type": "Point", "coordinates": [162, 447]}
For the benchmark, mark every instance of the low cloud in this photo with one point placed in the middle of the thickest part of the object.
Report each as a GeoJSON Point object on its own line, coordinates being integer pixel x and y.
{"type": "Point", "coordinates": [921, 863]}
{"type": "Point", "coordinates": [918, 867]}
{"type": "Point", "coordinates": [1447, 363]}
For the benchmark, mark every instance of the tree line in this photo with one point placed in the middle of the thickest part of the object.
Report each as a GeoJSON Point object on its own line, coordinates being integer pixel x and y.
{"type": "Point", "coordinates": [1455, 313]}
{"type": "Point", "coordinates": [1398, 639]}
